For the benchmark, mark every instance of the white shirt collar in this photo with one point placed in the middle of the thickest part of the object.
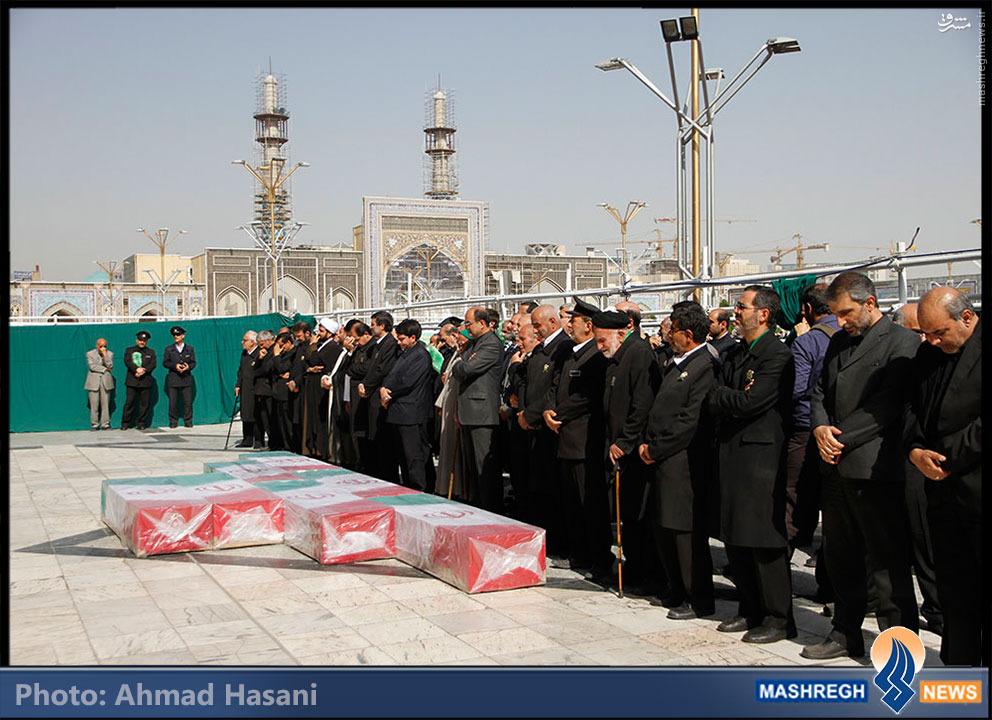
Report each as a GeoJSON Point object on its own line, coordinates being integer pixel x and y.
{"type": "Point", "coordinates": [321, 346]}
{"type": "Point", "coordinates": [381, 339]}
{"type": "Point", "coordinates": [551, 337]}
{"type": "Point", "coordinates": [180, 347]}
{"type": "Point", "coordinates": [679, 359]}
{"type": "Point", "coordinates": [582, 345]}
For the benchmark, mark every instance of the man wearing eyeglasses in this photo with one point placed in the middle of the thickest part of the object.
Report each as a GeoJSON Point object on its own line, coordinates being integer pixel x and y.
{"type": "Point", "coordinates": [752, 410]}
{"type": "Point", "coordinates": [244, 388]}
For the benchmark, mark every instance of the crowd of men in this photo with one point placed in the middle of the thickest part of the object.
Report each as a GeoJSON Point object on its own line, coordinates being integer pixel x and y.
{"type": "Point", "coordinates": [871, 421]}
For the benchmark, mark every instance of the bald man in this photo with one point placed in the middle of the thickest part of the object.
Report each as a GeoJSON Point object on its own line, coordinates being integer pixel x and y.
{"type": "Point", "coordinates": [99, 383]}
{"type": "Point", "coordinates": [944, 441]}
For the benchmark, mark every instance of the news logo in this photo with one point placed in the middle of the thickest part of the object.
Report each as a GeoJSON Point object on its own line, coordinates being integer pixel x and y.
{"type": "Point", "coordinates": [897, 655]}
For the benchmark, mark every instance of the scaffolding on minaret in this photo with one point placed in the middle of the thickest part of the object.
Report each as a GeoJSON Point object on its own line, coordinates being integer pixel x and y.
{"type": "Point", "coordinates": [271, 135]}
{"type": "Point", "coordinates": [440, 169]}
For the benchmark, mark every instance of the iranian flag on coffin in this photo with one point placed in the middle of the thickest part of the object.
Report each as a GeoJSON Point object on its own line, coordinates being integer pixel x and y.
{"type": "Point", "coordinates": [243, 514]}
{"type": "Point", "coordinates": [154, 516]}
{"type": "Point", "coordinates": [286, 461]}
{"type": "Point", "coordinates": [356, 483]}
{"type": "Point", "coordinates": [474, 550]}
{"type": "Point", "coordinates": [250, 471]}
{"type": "Point", "coordinates": [332, 526]}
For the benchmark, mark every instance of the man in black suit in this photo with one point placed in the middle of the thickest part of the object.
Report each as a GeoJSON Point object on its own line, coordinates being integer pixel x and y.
{"type": "Point", "coordinates": [140, 361]}
{"type": "Point", "coordinates": [545, 470]}
{"type": "Point", "coordinates": [632, 379]}
{"type": "Point", "coordinates": [521, 441]}
{"type": "Point", "coordinates": [281, 423]}
{"type": "Point", "coordinates": [575, 413]}
{"type": "Point", "coordinates": [302, 333]}
{"type": "Point", "coordinates": [359, 347]}
{"type": "Point", "coordinates": [856, 414]}
{"type": "Point", "coordinates": [382, 462]}
{"type": "Point", "coordinates": [179, 359]}
{"type": "Point", "coordinates": [478, 375]}
{"type": "Point", "coordinates": [408, 398]}
{"type": "Point", "coordinates": [244, 388]}
{"type": "Point", "coordinates": [719, 332]}
{"type": "Point", "coordinates": [262, 381]}
{"type": "Point", "coordinates": [752, 410]}
{"type": "Point", "coordinates": [678, 443]}
{"type": "Point", "coordinates": [945, 444]}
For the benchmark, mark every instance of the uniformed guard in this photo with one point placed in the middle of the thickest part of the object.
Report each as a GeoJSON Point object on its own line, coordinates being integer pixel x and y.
{"type": "Point", "coordinates": [140, 361]}
{"type": "Point", "coordinates": [179, 359]}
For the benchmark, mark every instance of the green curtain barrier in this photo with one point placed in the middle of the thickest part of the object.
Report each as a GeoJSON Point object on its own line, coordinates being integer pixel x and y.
{"type": "Point", "coordinates": [48, 369]}
{"type": "Point", "coordinates": [790, 290]}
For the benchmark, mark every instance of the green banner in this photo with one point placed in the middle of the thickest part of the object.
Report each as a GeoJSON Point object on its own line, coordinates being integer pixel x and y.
{"type": "Point", "coordinates": [48, 369]}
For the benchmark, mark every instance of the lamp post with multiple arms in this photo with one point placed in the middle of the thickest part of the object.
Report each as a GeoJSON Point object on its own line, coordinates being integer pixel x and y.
{"type": "Point", "coordinates": [161, 239]}
{"type": "Point", "coordinates": [699, 123]}
{"type": "Point", "coordinates": [271, 178]}
{"type": "Point", "coordinates": [273, 249]}
{"type": "Point", "coordinates": [633, 207]}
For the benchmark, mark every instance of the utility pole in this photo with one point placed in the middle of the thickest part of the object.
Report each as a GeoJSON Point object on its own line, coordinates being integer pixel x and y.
{"type": "Point", "coordinates": [109, 267]}
{"type": "Point", "coordinates": [161, 240]}
{"type": "Point", "coordinates": [633, 207]}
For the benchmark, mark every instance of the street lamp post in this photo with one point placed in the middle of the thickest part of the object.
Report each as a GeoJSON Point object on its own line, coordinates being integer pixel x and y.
{"type": "Point", "coordinates": [699, 125]}
{"type": "Point", "coordinates": [271, 178]}
{"type": "Point", "coordinates": [273, 250]}
{"type": "Point", "coordinates": [109, 267]}
{"type": "Point", "coordinates": [633, 207]}
{"type": "Point", "coordinates": [161, 239]}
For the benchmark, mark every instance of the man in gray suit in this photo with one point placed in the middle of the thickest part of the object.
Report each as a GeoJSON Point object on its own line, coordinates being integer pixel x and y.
{"type": "Point", "coordinates": [856, 416]}
{"type": "Point", "coordinates": [478, 376]}
{"type": "Point", "coordinates": [99, 382]}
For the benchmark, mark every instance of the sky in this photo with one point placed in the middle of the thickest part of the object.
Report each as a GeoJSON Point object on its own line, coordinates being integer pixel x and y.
{"type": "Point", "coordinates": [129, 118]}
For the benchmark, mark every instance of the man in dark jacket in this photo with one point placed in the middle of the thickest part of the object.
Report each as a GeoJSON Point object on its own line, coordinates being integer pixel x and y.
{"type": "Point", "coordinates": [244, 388]}
{"type": "Point", "coordinates": [302, 333]}
{"type": "Point", "coordinates": [383, 461]}
{"type": "Point", "coordinates": [720, 337]}
{"type": "Point", "coordinates": [179, 359]}
{"type": "Point", "coordinates": [752, 409]}
{"type": "Point", "coordinates": [544, 365]}
{"type": "Point", "coordinates": [632, 379]}
{"type": "Point", "coordinates": [282, 419]}
{"type": "Point", "coordinates": [678, 444]}
{"type": "Point", "coordinates": [320, 359]}
{"type": "Point", "coordinates": [408, 398]}
{"type": "Point", "coordinates": [262, 380]}
{"type": "Point", "coordinates": [478, 375]}
{"type": "Point", "coordinates": [945, 444]}
{"type": "Point", "coordinates": [140, 361]}
{"type": "Point", "coordinates": [857, 416]}
{"type": "Point", "coordinates": [359, 349]}
{"type": "Point", "coordinates": [575, 413]}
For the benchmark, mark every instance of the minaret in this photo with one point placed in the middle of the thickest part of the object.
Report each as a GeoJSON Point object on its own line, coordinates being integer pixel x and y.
{"type": "Point", "coordinates": [440, 172]}
{"type": "Point", "coordinates": [271, 133]}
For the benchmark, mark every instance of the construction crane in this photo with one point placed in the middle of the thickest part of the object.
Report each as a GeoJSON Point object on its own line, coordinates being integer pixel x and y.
{"type": "Point", "coordinates": [799, 248]}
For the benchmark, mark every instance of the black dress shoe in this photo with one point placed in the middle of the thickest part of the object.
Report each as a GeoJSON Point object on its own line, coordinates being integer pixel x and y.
{"type": "Point", "coordinates": [600, 576]}
{"type": "Point", "coordinates": [682, 612]}
{"type": "Point", "coordinates": [764, 634]}
{"type": "Point", "coordinates": [829, 649]}
{"type": "Point", "coordinates": [734, 624]}
{"type": "Point", "coordinates": [173, 425]}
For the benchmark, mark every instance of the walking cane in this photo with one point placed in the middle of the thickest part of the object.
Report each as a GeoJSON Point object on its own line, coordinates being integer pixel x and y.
{"type": "Point", "coordinates": [234, 411]}
{"type": "Point", "coordinates": [616, 474]}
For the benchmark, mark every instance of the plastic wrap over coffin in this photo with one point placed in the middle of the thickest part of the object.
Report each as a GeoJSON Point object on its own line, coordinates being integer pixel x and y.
{"type": "Point", "coordinates": [242, 514]}
{"type": "Point", "coordinates": [154, 516]}
{"type": "Point", "coordinates": [286, 461]}
{"type": "Point", "coordinates": [356, 483]}
{"type": "Point", "coordinates": [474, 550]}
{"type": "Point", "coordinates": [250, 471]}
{"type": "Point", "coordinates": [332, 526]}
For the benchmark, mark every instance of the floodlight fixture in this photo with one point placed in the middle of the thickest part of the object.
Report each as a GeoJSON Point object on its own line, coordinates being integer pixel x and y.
{"type": "Point", "coordinates": [670, 31]}
{"type": "Point", "coordinates": [690, 28]}
{"type": "Point", "coordinates": [781, 45]}
{"type": "Point", "coordinates": [611, 64]}
{"type": "Point", "coordinates": [714, 74]}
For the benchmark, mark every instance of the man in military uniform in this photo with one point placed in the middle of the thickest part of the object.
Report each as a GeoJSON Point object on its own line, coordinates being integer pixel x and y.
{"type": "Point", "coordinates": [140, 361]}
{"type": "Point", "coordinates": [179, 359]}
{"type": "Point", "coordinates": [575, 414]}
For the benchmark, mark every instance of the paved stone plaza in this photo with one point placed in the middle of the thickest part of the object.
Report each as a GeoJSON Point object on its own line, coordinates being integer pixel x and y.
{"type": "Point", "coordinates": [78, 598]}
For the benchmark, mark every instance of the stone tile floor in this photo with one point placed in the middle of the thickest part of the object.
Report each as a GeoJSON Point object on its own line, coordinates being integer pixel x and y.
{"type": "Point", "coordinates": [78, 598]}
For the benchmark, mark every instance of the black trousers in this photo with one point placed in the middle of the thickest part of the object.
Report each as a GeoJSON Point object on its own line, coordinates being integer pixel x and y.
{"type": "Point", "coordinates": [802, 487]}
{"type": "Point", "coordinates": [139, 396]}
{"type": "Point", "coordinates": [546, 490]}
{"type": "Point", "coordinates": [415, 449]}
{"type": "Point", "coordinates": [587, 515]}
{"type": "Point", "coordinates": [522, 444]}
{"type": "Point", "coordinates": [865, 530]}
{"type": "Point", "coordinates": [382, 461]}
{"type": "Point", "coordinates": [187, 395]}
{"type": "Point", "coordinates": [281, 426]}
{"type": "Point", "coordinates": [263, 419]}
{"type": "Point", "coordinates": [641, 561]}
{"type": "Point", "coordinates": [765, 585]}
{"type": "Point", "coordinates": [957, 552]}
{"type": "Point", "coordinates": [922, 557]}
{"type": "Point", "coordinates": [685, 554]}
{"type": "Point", "coordinates": [484, 476]}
